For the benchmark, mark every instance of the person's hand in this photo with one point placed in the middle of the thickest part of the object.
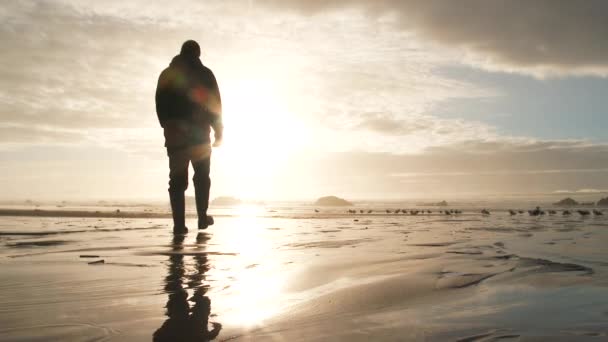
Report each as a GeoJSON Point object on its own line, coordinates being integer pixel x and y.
{"type": "Point", "coordinates": [218, 140]}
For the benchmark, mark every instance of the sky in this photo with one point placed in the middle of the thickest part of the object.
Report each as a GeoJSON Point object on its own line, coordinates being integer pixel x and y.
{"type": "Point", "coordinates": [384, 99]}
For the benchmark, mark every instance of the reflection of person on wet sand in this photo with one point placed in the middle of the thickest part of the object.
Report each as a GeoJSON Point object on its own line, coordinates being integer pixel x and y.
{"type": "Point", "coordinates": [186, 323]}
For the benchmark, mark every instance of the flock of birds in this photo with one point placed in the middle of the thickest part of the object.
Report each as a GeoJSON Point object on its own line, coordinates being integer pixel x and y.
{"type": "Point", "coordinates": [404, 211]}
{"type": "Point", "coordinates": [539, 212]}
{"type": "Point", "coordinates": [535, 212]}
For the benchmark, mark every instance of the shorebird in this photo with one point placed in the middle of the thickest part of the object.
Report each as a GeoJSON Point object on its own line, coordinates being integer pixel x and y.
{"type": "Point", "coordinates": [552, 212]}
{"type": "Point", "coordinates": [512, 212]}
{"type": "Point", "coordinates": [370, 211]}
{"type": "Point", "coordinates": [536, 212]}
{"type": "Point", "coordinates": [584, 212]}
{"type": "Point", "coordinates": [566, 213]}
{"type": "Point", "coordinates": [429, 212]}
{"type": "Point", "coordinates": [397, 211]}
{"type": "Point", "coordinates": [316, 210]}
{"type": "Point", "coordinates": [521, 211]}
{"type": "Point", "coordinates": [361, 211]}
{"type": "Point", "coordinates": [485, 212]}
{"type": "Point", "coordinates": [597, 212]}
{"type": "Point", "coordinates": [457, 212]}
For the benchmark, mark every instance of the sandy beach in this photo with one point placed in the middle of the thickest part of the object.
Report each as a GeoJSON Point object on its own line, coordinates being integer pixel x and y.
{"type": "Point", "coordinates": [267, 274]}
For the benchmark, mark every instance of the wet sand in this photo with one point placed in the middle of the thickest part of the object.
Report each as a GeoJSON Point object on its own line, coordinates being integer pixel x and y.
{"type": "Point", "coordinates": [294, 277]}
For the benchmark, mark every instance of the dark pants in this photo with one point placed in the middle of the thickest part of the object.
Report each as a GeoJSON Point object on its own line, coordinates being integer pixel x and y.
{"type": "Point", "coordinates": [179, 160]}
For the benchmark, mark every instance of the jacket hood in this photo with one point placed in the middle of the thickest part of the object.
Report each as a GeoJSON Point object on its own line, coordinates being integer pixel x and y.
{"type": "Point", "coordinates": [186, 61]}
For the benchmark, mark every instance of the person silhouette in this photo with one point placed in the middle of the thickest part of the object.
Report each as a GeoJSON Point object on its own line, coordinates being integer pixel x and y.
{"type": "Point", "coordinates": [188, 105]}
{"type": "Point", "coordinates": [185, 323]}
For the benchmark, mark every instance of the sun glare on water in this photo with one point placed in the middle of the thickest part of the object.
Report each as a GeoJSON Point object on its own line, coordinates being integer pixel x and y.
{"type": "Point", "coordinates": [253, 295]}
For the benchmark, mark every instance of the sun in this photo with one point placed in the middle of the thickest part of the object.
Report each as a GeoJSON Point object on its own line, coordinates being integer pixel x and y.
{"type": "Point", "coordinates": [260, 131]}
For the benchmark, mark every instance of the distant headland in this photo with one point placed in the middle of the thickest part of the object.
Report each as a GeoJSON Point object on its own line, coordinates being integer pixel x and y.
{"type": "Point", "coordinates": [566, 202]}
{"type": "Point", "coordinates": [434, 204]}
{"type": "Point", "coordinates": [569, 202]}
{"type": "Point", "coordinates": [332, 201]}
{"type": "Point", "coordinates": [226, 201]}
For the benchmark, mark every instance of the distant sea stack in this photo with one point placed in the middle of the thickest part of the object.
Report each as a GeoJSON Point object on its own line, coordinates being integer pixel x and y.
{"type": "Point", "coordinates": [434, 204]}
{"type": "Point", "coordinates": [566, 202]}
{"type": "Point", "coordinates": [226, 201]}
{"type": "Point", "coordinates": [603, 202]}
{"type": "Point", "coordinates": [333, 201]}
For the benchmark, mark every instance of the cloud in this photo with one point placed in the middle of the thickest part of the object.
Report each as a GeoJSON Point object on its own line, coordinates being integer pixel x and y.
{"type": "Point", "coordinates": [537, 36]}
{"type": "Point", "coordinates": [64, 68]}
{"type": "Point", "coordinates": [582, 191]}
{"type": "Point", "coordinates": [73, 75]}
{"type": "Point", "coordinates": [389, 125]}
{"type": "Point", "coordinates": [504, 173]}
{"type": "Point", "coordinates": [14, 134]}
{"type": "Point", "coordinates": [456, 170]}
{"type": "Point", "coordinates": [83, 74]}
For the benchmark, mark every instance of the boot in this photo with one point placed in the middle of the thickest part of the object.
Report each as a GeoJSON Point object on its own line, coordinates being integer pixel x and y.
{"type": "Point", "coordinates": [202, 184]}
{"type": "Point", "coordinates": [205, 221]}
{"type": "Point", "coordinates": [178, 209]}
{"type": "Point", "coordinates": [202, 204]}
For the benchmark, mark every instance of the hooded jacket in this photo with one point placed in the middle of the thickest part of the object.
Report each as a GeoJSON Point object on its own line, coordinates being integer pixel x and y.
{"type": "Point", "coordinates": [188, 102]}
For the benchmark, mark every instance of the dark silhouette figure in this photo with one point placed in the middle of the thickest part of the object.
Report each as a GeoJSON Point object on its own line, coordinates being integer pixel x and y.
{"type": "Point", "coordinates": [188, 105]}
{"type": "Point", "coordinates": [187, 323]}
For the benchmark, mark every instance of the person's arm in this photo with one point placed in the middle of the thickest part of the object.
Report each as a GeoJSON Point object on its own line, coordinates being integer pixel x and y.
{"type": "Point", "coordinates": [216, 111]}
{"type": "Point", "coordinates": [174, 128]}
{"type": "Point", "coordinates": [163, 98]}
